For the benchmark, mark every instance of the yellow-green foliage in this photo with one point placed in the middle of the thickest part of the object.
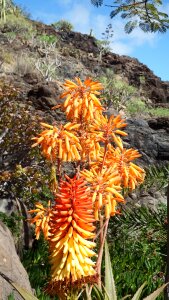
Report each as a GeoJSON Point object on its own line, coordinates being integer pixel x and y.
{"type": "Point", "coordinates": [136, 107]}
{"type": "Point", "coordinates": [159, 112]}
{"type": "Point", "coordinates": [116, 91]}
{"type": "Point", "coordinates": [63, 25]}
{"type": "Point", "coordinates": [17, 24]}
{"type": "Point", "coordinates": [6, 56]}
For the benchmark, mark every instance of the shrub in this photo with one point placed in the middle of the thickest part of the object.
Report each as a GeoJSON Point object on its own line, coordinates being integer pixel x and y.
{"type": "Point", "coordinates": [48, 67]}
{"type": "Point", "coordinates": [63, 25]}
{"type": "Point", "coordinates": [116, 91]}
{"type": "Point", "coordinates": [138, 246]}
{"type": "Point", "coordinates": [35, 261]}
{"type": "Point", "coordinates": [159, 112]}
{"type": "Point", "coordinates": [46, 43]}
{"type": "Point", "coordinates": [135, 107]}
{"type": "Point", "coordinates": [23, 65]}
{"type": "Point", "coordinates": [6, 57]}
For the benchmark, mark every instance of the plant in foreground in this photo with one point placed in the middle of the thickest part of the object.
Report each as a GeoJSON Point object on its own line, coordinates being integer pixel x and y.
{"type": "Point", "coordinates": [103, 168]}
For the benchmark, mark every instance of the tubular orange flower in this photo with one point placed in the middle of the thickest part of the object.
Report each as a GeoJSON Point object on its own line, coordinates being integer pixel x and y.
{"type": "Point", "coordinates": [59, 142]}
{"type": "Point", "coordinates": [105, 187]}
{"type": "Point", "coordinates": [131, 174]}
{"type": "Point", "coordinates": [41, 219]}
{"type": "Point", "coordinates": [90, 147]}
{"type": "Point", "coordinates": [71, 227]}
{"type": "Point", "coordinates": [109, 128]}
{"type": "Point", "coordinates": [81, 101]}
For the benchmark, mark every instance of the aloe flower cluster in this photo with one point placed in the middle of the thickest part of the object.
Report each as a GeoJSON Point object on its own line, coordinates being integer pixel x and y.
{"type": "Point", "coordinates": [104, 169]}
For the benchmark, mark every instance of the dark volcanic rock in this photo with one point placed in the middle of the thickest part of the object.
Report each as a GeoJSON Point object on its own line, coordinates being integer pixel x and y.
{"type": "Point", "coordinates": [137, 74]}
{"type": "Point", "coordinates": [153, 144]}
{"type": "Point", "coordinates": [45, 96]}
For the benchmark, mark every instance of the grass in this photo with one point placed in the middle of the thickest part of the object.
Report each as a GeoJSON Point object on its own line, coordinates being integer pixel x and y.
{"type": "Point", "coordinates": [137, 107]}
{"type": "Point", "coordinates": [159, 112]}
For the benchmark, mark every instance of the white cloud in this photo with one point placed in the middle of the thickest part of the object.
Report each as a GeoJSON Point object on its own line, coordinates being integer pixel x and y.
{"type": "Point", "coordinates": [121, 48]}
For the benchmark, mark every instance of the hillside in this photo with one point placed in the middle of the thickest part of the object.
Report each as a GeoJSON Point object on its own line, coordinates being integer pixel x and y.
{"type": "Point", "coordinates": [75, 54]}
{"type": "Point", "coordinates": [35, 59]}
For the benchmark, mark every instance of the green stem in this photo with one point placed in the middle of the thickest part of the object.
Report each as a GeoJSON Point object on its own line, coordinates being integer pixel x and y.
{"type": "Point", "coordinates": [100, 255]}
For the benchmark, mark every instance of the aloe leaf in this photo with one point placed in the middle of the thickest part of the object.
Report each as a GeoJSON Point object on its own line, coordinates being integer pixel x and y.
{"type": "Point", "coordinates": [109, 279]}
{"type": "Point", "coordinates": [156, 293]}
{"type": "Point", "coordinates": [24, 293]}
{"type": "Point", "coordinates": [139, 291]}
{"type": "Point", "coordinates": [98, 293]}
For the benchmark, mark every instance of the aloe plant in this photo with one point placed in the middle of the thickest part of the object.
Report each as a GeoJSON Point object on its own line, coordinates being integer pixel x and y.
{"type": "Point", "coordinates": [109, 290]}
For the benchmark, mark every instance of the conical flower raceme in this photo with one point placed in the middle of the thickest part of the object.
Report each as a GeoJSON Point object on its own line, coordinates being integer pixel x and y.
{"type": "Point", "coordinates": [109, 128]}
{"type": "Point", "coordinates": [59, 142]}
{"type": "Point", "coordinates": [105, 186]}
{"type": "Point", "coordinates": [131, 174]}
{"type": "Point", "coordinates": [41, 219]}
{"type": "Point", "coordinates": [71, 228]}
{"type": "Point", "coordinates": [81, 102]}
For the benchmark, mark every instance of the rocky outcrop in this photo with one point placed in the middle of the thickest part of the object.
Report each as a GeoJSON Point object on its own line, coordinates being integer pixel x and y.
{"type": "Point", "coordinates": [136, 73]}
{"type": "Point", "coordinates": [151, 141]}
{"type": "Point", "coordinates": [10, 266]}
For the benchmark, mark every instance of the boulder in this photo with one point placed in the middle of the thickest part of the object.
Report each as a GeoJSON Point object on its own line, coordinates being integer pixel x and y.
{"type": "Point", "coordinates": [11, 266]}
{"type": "Point", "coordinates": [153, 144]}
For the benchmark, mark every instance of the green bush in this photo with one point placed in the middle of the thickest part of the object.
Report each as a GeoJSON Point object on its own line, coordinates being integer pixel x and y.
{"type": "Point", "coordinates": [137, 246]}
{"type": "Point", "coordinates": [159, 112]}
{"type": "Point", "coordinates": [136, 107]}
{"type": "Point", "coordinates": [36, 262]}
{"type": "Point", "coordinates": [12, 222]}
{"type": "Point", "coordinates": [47, 39]}
{"type": "Point", "coordinates": [63, 25]}
{"type": "Point", "coordinates": [116, 91]}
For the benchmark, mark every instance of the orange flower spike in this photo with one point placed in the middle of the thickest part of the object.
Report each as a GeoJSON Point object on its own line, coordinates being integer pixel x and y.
{"type": "Point", "coordinates": [81, 103]}
{"type": "Point", "coordinates": [41, 219]}
{"type": "Point", "coordinates": [59, 142]}
{"type": "Point", "coordinates": [71, 228]}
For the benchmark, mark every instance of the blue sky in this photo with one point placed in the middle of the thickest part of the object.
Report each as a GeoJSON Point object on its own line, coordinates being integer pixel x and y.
{"type": "Point", "coordinates": [150, 49]}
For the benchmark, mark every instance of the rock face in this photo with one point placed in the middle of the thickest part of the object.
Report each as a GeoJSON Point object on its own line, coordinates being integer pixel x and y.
{"type": "Point", "coordinates": [136, 73]}
{"type": "Point", "coordinates": [150, 139]}
{"type": "Point", "coordinates": [11, 266]}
